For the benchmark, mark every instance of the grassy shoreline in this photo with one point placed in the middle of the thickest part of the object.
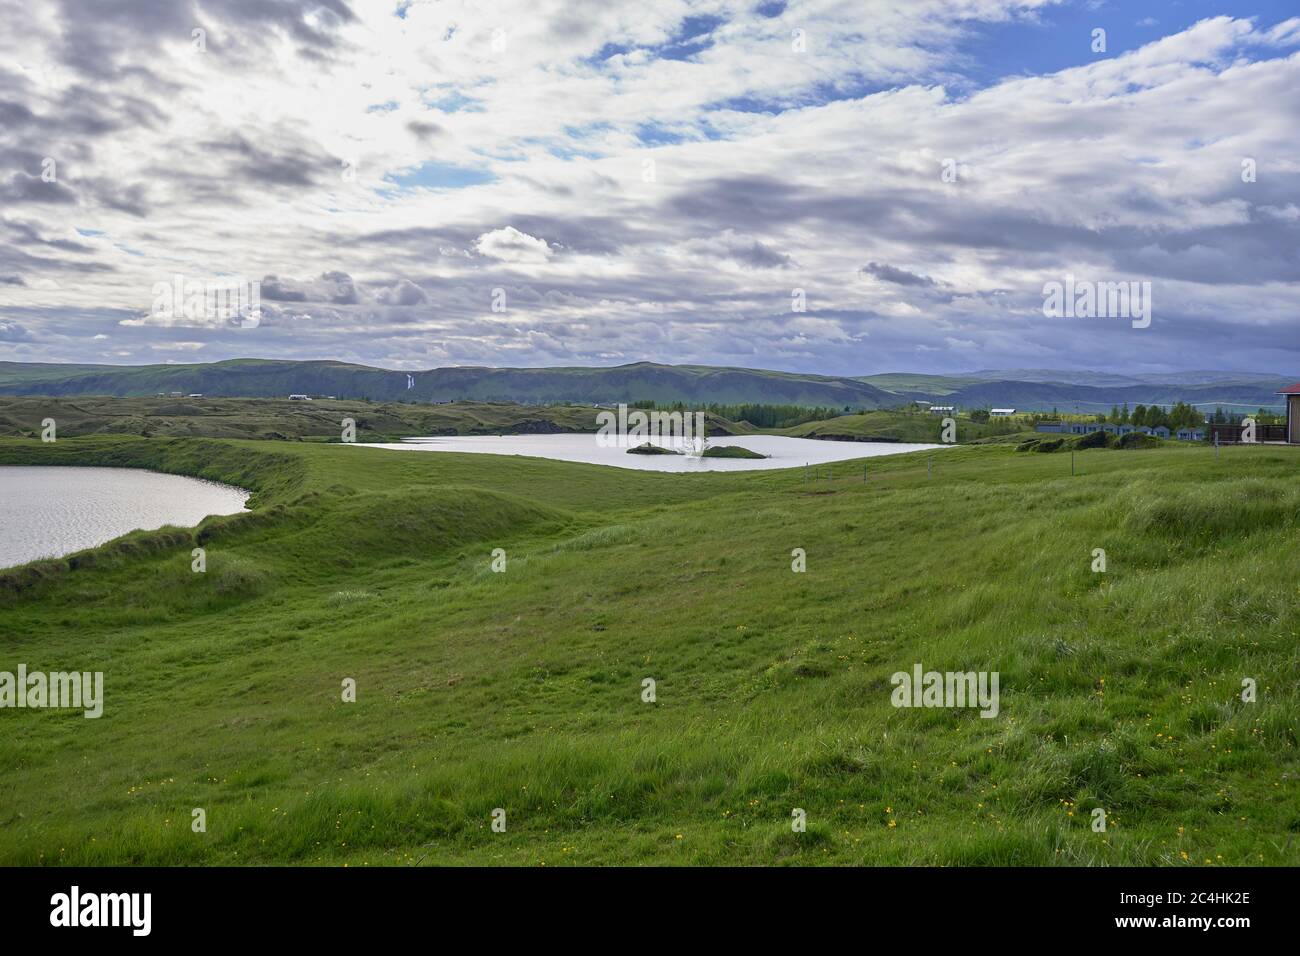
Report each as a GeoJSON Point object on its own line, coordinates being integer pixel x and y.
{"type": "Point", "coordinates": [521, 690]}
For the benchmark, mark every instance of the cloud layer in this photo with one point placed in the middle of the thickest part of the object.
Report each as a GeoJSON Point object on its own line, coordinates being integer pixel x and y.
{"type": "Point", "coordinates": [550, 182]}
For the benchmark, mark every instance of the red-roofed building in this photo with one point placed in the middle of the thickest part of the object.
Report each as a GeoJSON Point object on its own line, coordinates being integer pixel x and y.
{"type": "Point", "coordinates": [1292, 393]}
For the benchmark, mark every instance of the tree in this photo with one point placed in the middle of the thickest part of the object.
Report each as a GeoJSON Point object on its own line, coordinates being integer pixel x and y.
{"type": "Point", "coordinates": [1140, 415]}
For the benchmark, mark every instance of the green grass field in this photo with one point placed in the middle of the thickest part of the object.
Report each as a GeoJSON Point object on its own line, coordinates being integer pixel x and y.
{"type": "Point", "coordinates": [522, 690]}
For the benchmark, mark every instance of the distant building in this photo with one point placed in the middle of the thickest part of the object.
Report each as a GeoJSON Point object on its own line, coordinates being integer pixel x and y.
{"type": "Point", "coordinates": [1001, 412]}
{"type": "Point", "coordinates": [942, 409]}
{"type": "Point", "coordinates": [1051, 427]}
{"type": "Point", "coordinates": [1292, 393]}
{"type": "Point", "coordinates": [1160, 431]}
{"type": "Point", "coordinates": [1191, 434]}
{"type": "Point", "coordinates": [195, 395]}
{"type": "Point", "coordinates": [300, 398]}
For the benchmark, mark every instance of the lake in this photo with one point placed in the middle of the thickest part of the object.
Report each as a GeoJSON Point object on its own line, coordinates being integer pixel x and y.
{"type": "Point", "coordinates": [785, 452]}
{"type": "Point", "coordinates": [47, 511]}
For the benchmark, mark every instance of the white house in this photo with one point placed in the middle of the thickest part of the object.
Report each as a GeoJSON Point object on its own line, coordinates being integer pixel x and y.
{"type": "Point", "coordinates": [1001, 412]}
{"type": "Point", "coordinates": [942, 409]}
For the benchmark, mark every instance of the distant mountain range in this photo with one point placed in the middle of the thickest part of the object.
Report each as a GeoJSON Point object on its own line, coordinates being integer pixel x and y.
{"type": "Point", "coordinates": [1026, 389]}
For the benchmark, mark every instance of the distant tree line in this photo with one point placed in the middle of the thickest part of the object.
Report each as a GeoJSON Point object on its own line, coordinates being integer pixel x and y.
{"type": "Point", "coordinates": [1180, 415]}
{"type": "Point", "coordinates": [1261, 417]}
{"type": "Point", "coordinates": [760, 415]}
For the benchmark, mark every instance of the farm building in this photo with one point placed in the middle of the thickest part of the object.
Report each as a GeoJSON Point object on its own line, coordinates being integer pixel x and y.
{"type": "Point", "coordinates": [1001, 412]}
{"type": "Point", "coordinates": [1292, 393]}
{"type": "Point", "coordinates": [942, 409]}
{"type": "Point", "coordinates": [1087, 428]}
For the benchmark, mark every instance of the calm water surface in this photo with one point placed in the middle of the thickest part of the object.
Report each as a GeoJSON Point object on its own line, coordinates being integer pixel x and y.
{"type": "Point", "coordinates": [46, 512]}
{"type": "Point", "coordinates": [785, 452]}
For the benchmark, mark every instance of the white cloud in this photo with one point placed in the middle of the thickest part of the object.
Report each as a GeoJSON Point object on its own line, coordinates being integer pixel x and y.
{"type": "Point", "coordinates": [528, 165]}
{"type": "Point", "coordinates": [511, 245]}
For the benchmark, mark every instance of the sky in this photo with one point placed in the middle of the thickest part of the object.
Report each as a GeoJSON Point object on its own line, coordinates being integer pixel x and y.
{"type": "Point", "coordinates": [834, 186]}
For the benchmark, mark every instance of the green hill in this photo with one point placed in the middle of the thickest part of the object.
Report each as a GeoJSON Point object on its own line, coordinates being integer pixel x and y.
{"type": "Point", "coordinates": [259, 378]}
{"type": "Point", "coordinates": [523, 690]}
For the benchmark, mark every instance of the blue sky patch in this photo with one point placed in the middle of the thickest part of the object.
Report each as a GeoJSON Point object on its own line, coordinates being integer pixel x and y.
{"type": "Point", "coordinates": [435, 175]}
{"type": "Point", "coordinates": [1062, 36]}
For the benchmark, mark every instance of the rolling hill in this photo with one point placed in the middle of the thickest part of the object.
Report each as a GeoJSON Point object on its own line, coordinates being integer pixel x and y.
{"type": "Point", "coordinates": [259, 378]}
{"type": "Point", "coordinates": [1026, 389]}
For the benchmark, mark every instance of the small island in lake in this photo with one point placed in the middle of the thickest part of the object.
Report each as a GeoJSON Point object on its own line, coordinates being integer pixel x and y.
{"type": "Point", "coordinates": [649, 449]}
{"type": "Point", "coordinates": [730, 451]}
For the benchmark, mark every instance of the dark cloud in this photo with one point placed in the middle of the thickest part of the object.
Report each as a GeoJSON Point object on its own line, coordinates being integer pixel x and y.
{"type": "Point", "coordinates": [13, 115]}
{"type": "Point", "coordinates": [403, 293]}
{"type": "Point", "coordinates": [888, 273]}
{"type": "Point", "coordinates": [100, 38]}
{"type": "Point", "coordinates": [28, 232]}
{"type": "Point", "coordinates": [131, 199]}
{"type": "Point", "coordinates": [23, 188]}
{"type": "Point", "coordinates": [303, 166]}
{"type": "Point", "coordinates": [344, 291]}
{"type": "Point", "coordinates": [425, 130]}
{"type": "Point", "coordinates": [760, 256]}
{"type": "Point", "coordinates": [277, 291]}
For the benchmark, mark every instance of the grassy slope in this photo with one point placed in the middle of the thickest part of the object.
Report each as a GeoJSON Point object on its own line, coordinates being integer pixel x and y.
{"type": "Point", "coordinates": [910, 383]}
{"type": "Point", "coordinates": [280, 418]}
{"type": "Point", "coordinates": [904, 426]}
{"type": "Point", "coordinates": [521, 690]}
